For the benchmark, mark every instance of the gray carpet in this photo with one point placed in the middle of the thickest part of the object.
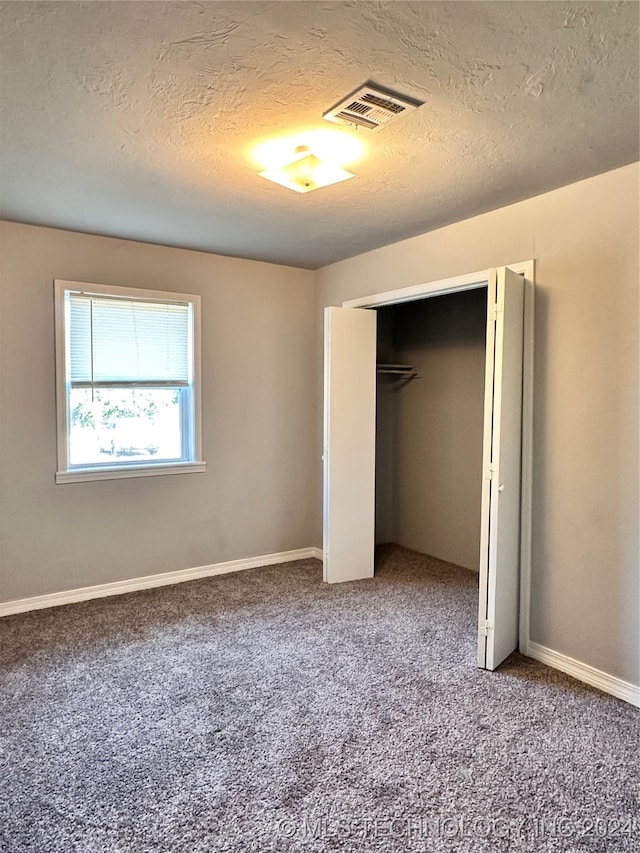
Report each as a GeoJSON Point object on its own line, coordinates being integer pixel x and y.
{"type": "Point", "coordinates": [266, 711]}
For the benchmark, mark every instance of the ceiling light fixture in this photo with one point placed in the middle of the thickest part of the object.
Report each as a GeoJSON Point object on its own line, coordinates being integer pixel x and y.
{"type": "Point", "coordinates": [307, 172]}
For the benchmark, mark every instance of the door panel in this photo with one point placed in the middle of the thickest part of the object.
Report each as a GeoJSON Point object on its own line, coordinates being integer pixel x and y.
{"type": "Point", "coordinates": [349, 444]}
{"type": "Point", "coordinates": [500, 540]}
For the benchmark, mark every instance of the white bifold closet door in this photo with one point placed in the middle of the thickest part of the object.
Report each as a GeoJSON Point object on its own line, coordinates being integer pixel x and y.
{"type": "Point", "coordinates": [349, 443]}
{"type": "Point", "coordinates": [502, 464]}
{"type": "Point", "coordinates": [350, 452]}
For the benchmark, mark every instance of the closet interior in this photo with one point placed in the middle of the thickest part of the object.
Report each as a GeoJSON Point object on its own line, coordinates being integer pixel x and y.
{"type": "Point", "coordinates": [429, 424]}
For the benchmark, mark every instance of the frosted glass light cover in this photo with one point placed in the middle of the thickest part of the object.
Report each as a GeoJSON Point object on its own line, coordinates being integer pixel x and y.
{"type": "Point", "coordinates": [307, 174]}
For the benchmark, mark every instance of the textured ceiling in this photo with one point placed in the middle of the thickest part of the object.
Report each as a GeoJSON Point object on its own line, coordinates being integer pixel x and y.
{"type": "Point", "coordinates": [137, 119]}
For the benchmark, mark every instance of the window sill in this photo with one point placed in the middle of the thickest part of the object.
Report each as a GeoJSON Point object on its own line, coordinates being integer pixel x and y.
{"type": "Point", "coordinates": [83, 475]}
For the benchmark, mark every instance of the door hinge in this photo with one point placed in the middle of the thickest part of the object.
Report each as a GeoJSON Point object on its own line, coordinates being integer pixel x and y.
{"type": "Point", "coordinates": [490, 472]}
{"type": "Point", "coordinates": [494, 310]}
{"type": "Point", "coordinates": [485, 628]}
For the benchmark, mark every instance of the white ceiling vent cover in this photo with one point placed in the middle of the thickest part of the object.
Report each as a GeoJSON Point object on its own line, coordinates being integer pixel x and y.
{"type": "Point", "coordinates": [371, 108]}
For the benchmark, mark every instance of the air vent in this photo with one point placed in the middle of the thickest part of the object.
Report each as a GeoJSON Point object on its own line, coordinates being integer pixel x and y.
{"type": "Point", "coordinates": [371, 108]}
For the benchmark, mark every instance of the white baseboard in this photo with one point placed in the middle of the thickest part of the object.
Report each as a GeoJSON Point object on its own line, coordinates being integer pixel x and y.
{"type": "Point", "coordinates": [55, 599]}
{"type": "Point", "coordinates": [583, 672]}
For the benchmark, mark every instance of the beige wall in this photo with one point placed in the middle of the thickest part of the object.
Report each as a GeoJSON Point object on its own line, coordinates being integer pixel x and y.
{"type": "Point", "coordinates": [584, 238]}
{"type": "Point", "coordinates": [258, 420]}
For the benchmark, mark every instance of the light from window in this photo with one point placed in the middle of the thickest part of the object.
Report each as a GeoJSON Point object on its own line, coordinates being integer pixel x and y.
{"type": "Point", "coordinates": [128, 390]}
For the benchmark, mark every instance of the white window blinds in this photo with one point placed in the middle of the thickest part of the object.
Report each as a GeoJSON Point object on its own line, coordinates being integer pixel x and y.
{"type": "Point", "coordinates": [116, 340]}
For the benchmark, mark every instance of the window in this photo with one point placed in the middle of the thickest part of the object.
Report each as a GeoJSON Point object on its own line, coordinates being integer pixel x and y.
{"type": "Point", "coordinates": [128, 390]}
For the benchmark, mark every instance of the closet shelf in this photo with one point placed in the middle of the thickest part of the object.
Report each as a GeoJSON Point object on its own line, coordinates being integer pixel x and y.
{"type": "Point", "coordinates": [405, 372]}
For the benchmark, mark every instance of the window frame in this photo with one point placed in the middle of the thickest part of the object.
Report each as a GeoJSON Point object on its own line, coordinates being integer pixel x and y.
{"type": "Point", "coordinates": [68, 473]}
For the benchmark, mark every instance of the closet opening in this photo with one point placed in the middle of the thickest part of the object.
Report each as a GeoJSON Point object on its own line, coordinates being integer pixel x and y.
{"type": "Point", "coordinates": [431, 356]}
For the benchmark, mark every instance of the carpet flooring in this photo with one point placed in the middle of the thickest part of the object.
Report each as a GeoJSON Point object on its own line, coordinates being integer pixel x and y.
{"type": "Point", "coordinates": [267, 711]}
